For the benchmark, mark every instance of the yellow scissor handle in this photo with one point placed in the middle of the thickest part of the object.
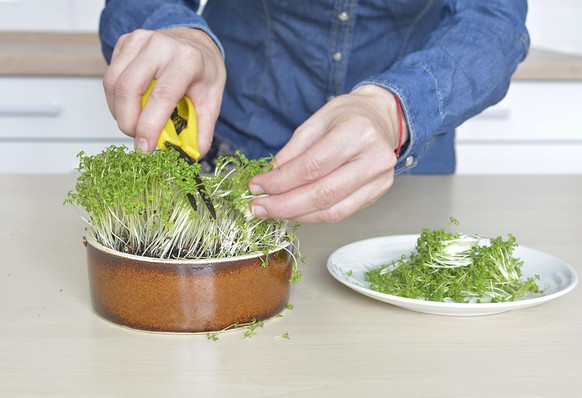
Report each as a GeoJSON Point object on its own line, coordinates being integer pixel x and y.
{"type": "Point", "coordinates": [188, 138]}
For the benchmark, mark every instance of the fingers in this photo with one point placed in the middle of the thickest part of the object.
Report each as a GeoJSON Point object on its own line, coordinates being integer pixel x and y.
{"type": "Point", "coordinates": [304, 137]}
{"type": "Point", "coordinates": [337, 195]}
{"type": "Point", "coordinates": [311, 164]}
{"type": "Point", "coordinates": [150, 61]}
{"type": "Point", "coordinates": [127, 48]}
{"type": "Point", "coordinates": [339, 161]}
{"type": "Point", "coordinates": [184, 62]}
{"type": "Point", "coordinates": [344, 140]}
{"type": "Point", "coordinates": [162, 100]}
{"type": "Point", "coordinates": [207, 112]}
{"type": "Point", "coordinates": [207, 100]}
{"type": "Point", "coordinates": [126, 51]}
{"type": "Point", "coordinates": [360, 199]}
{"type": "Point", "coordinates": [319, 146]}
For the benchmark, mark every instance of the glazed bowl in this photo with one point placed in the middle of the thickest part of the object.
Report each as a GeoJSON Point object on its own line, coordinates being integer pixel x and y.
{"type": "Point", "coordinates": [186, 296]}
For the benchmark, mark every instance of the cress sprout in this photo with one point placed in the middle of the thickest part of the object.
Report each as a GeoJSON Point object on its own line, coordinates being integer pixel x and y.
{"type": "Point", "coordinates": [447, 266]}
{"type": "Point", "coordinates": [137, 203]}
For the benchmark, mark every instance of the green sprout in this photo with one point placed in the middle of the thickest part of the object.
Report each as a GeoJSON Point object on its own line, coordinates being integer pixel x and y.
{"type": "Point", "coordinates": [452, 266]}
{"type": "Point", "coordinates": [137, 203]}
{"type": "Point", "coordinates": [251, 328]}
{"type": "Point", "coordinates": [213, 336]}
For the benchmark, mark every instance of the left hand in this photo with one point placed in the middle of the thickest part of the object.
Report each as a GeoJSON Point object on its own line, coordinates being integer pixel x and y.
{"type": "Point", "coordinates": [337, 162]}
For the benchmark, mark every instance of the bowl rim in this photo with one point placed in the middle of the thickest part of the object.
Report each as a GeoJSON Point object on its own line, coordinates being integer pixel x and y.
{"type": "Point", "coordinates": [93, 242]}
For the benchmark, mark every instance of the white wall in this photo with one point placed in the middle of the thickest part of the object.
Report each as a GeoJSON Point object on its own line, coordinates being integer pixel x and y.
{"type": "Point", "coordinates": [556, 25]}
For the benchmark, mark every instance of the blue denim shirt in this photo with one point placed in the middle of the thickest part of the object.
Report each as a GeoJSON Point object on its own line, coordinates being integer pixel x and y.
{"type": "Point", "coordinates": [446, 61]}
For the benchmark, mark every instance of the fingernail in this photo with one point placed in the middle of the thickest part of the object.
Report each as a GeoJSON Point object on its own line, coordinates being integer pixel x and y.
{"type": "Point", "coordinates": [142, 145]}
{"type": "Point", "coordinates": [259, 211]}
{"type": "Point", "coordinates": [256, 190]}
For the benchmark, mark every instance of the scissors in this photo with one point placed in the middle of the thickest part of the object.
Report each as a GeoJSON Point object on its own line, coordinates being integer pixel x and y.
{"type": "Point", "coordinates": [181, 134]}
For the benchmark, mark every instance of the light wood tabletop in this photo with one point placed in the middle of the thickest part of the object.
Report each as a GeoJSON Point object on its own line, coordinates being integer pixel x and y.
{"type": "Point", "coordinates": [340, 343]}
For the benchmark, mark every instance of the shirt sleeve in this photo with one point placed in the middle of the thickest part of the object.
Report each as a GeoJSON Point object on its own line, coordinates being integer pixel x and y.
{"type": "Point", "coordinates": [123, 16]}
{"type": "Point", "coordinates": [464, 67]}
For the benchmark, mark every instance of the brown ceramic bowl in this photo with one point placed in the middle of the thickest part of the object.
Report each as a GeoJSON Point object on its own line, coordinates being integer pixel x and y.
{"type": "Point", "coordinates": [184, 296]}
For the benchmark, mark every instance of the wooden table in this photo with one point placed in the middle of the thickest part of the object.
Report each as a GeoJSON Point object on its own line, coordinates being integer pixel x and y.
{"type": "Point", "coordinates": [341, 343]}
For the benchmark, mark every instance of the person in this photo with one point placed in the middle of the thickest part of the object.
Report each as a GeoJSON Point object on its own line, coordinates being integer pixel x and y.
{"type": "Point", "coordinates": [321, 84]}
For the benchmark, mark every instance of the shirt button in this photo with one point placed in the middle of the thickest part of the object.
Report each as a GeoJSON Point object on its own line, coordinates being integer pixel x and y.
{"type": "Point", "coordinates": [343, 16]}
{"type": "Point", "coordinates": [409, 161]}
{"type": "Point", "coordinates": [337, 56]}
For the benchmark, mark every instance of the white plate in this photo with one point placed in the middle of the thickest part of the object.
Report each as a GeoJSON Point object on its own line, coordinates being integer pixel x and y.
{"type": "Point", "coordinates": [349, 264]}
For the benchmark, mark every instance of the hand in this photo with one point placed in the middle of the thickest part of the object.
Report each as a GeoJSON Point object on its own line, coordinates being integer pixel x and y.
{"type": "Point", "coordinates": [185, 62]}
{"type": "Point", "coordinates": [337, 162]}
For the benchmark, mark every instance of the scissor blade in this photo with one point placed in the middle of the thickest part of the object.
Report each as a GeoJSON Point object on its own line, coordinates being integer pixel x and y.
{"type": "Point", "coordinates": [178, 121]}
{"type": "Point", "coordinates": [199, 184]}
{"type": "Point", "coordinates": [192, 201]}
{"type": "Point", "coordinates": [204, 196]}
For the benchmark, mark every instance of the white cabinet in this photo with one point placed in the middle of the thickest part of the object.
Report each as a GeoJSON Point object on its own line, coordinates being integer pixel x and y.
{"type": "Point", "coordinates": [554, 25]}
{"type": "Point", "coordinates": [535, 129]}
{"type": "Point", "coordinates": [45, 122]}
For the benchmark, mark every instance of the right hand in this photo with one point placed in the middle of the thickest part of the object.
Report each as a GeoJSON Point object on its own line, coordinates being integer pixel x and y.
{"type": "Point", "coordinates": [337, 162]}
{"type": "Point", "coordinates": [185, 62]}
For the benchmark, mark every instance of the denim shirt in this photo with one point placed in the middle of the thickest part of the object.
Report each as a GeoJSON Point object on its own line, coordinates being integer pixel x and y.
{"type": "Point", "coordinates": [445, 60]}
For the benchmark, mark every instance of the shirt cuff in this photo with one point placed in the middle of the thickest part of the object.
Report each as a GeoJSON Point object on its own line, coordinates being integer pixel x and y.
{"type": "Point", "coordinates": [416, 91]}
